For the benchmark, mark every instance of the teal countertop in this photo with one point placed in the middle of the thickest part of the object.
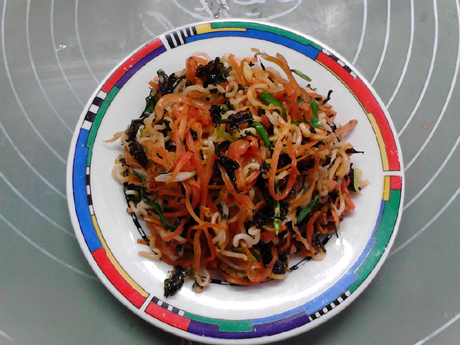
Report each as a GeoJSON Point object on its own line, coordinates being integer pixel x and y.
{"type": "Point", "coordinates": [55, 53]}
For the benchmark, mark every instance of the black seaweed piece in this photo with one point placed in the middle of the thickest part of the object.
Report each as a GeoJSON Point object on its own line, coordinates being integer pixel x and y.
{"type": "Point", "coordinates": [267, 213]}
{"type": "Point", "coordinates": [229, 165]}
{"type": "Point", "coordinates": [213, 73]}
{"type": "Point", "coordinates": [283, 209]}
{"type": "Point", "coordinates": [264, 167]}
{"type": "Point", "coordinates": [222, 146]}
{"type": "Point", "coordinates": [282, 264]}
{"type": "Point", "coordinates": [284, 160]}
{"type": "Point", "coordinates": [271, 129]}
{"type": "Point", "coordinates": [175, 281]}
{"type": "Point", "coordinates": [328, 98]}
{"type": "Point", "coordinates": [216, 174]}
{"type": "Point", "coordinates": [262, 185]}
{"type": "Point", "coordinates": [306, 164]}
{"type": "Point", "coordinates": [134, 128]}
{"type": "Point", "coordinates": [265, 251]}
{"type": "Point", "coordinates": [194, 134]}
{"type": "Point", "coordinates": [167, 83]}
{"type": "Point", "coordinates": [216, 111]}
{"type": "Point", "coordinates": [352, 151]}
{"type": "Point", "coordinates": [137, 151]}
{"type": "Point", "coordinates": [243, 116]}
{"type": "Point", "coordinates": [264, 215]}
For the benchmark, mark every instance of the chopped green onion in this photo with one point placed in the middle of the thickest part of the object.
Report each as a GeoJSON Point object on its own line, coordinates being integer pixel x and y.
{"type": "Point", "coordinates": [268, 98]}
{"type": "Point", "coordinates": [157, 207]}
{"type": "Point", "coordinates": [262, 132]}
{"type": "Point", "coordinates": [150, 202]}
{"type": "Point", "coordinates": [315, 119]}
{"type": "Point", "coordinates": [150, 103]}
{"type": "Point", "coordinates": [226, 135]}
{"type": "Point", "coordinates": [301, 75]}
{"type": "Point", "coordinates": [308, 209]}
{"type": "Point", "coordinates": [138, 175]}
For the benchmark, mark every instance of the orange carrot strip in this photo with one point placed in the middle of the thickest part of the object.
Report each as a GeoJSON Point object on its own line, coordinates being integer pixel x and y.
{"type": "Point", "coordinates": [188, 195]}
{"type": "Point", "coordinates": [244, 202]}
{"type": "Point", "coordinates": [171, 235]}
{"type": "Point", "coordinates": [179, 164]}
{"type": "Point", "coordinates": [274, 163]}
{"type": "Point", "coordinates": [176, 214]}
{"type": "Point", "coordinates": [293, 173]}
{"type": "Point", "coordinates": [176, 98]}
{"type": "Point", "coordinates": [197, 250]}
{"type": "Point", "coordinates": [211, 246]}
{"type": "Point", "coordinates": [294, 105]}
{"type": "Point", "coordinates": [235, 67]}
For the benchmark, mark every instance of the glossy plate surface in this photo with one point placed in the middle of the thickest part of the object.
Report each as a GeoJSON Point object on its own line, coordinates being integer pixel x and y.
{"type": "Point", "coordinates": [225, 314]}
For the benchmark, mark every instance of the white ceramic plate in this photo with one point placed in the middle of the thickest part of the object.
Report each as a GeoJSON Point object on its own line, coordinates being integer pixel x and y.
{"type": "Point", "coordinates": [227, 314]}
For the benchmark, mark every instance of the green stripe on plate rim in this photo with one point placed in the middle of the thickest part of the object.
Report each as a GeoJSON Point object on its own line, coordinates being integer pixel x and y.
{"type": "Point", "coordinates": [97, 122]}
{"type": "Point", "coordinates": [224, 325]}
{"type": "Point", "coordinates": [383, 235]}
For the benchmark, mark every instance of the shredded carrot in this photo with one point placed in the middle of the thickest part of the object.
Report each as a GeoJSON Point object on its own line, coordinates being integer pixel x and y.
{"type": "Point", "coordinates": [251, 174]}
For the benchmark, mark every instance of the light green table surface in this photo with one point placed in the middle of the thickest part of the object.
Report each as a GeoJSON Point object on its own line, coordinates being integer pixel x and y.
{"type": "Point", "coordinates": [55, 52]}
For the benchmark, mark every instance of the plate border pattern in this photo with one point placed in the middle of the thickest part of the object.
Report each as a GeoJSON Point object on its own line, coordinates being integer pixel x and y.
{"type": "Point", "coordinates": [154, 306]}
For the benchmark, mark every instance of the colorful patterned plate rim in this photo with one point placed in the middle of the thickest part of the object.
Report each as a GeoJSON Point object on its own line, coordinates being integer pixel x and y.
{"type": "Point", "coordinates": [225, 314]}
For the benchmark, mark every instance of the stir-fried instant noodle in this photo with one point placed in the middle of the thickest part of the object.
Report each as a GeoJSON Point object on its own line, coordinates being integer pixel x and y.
{"type": "Point", "coordinates": [236, 168]}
